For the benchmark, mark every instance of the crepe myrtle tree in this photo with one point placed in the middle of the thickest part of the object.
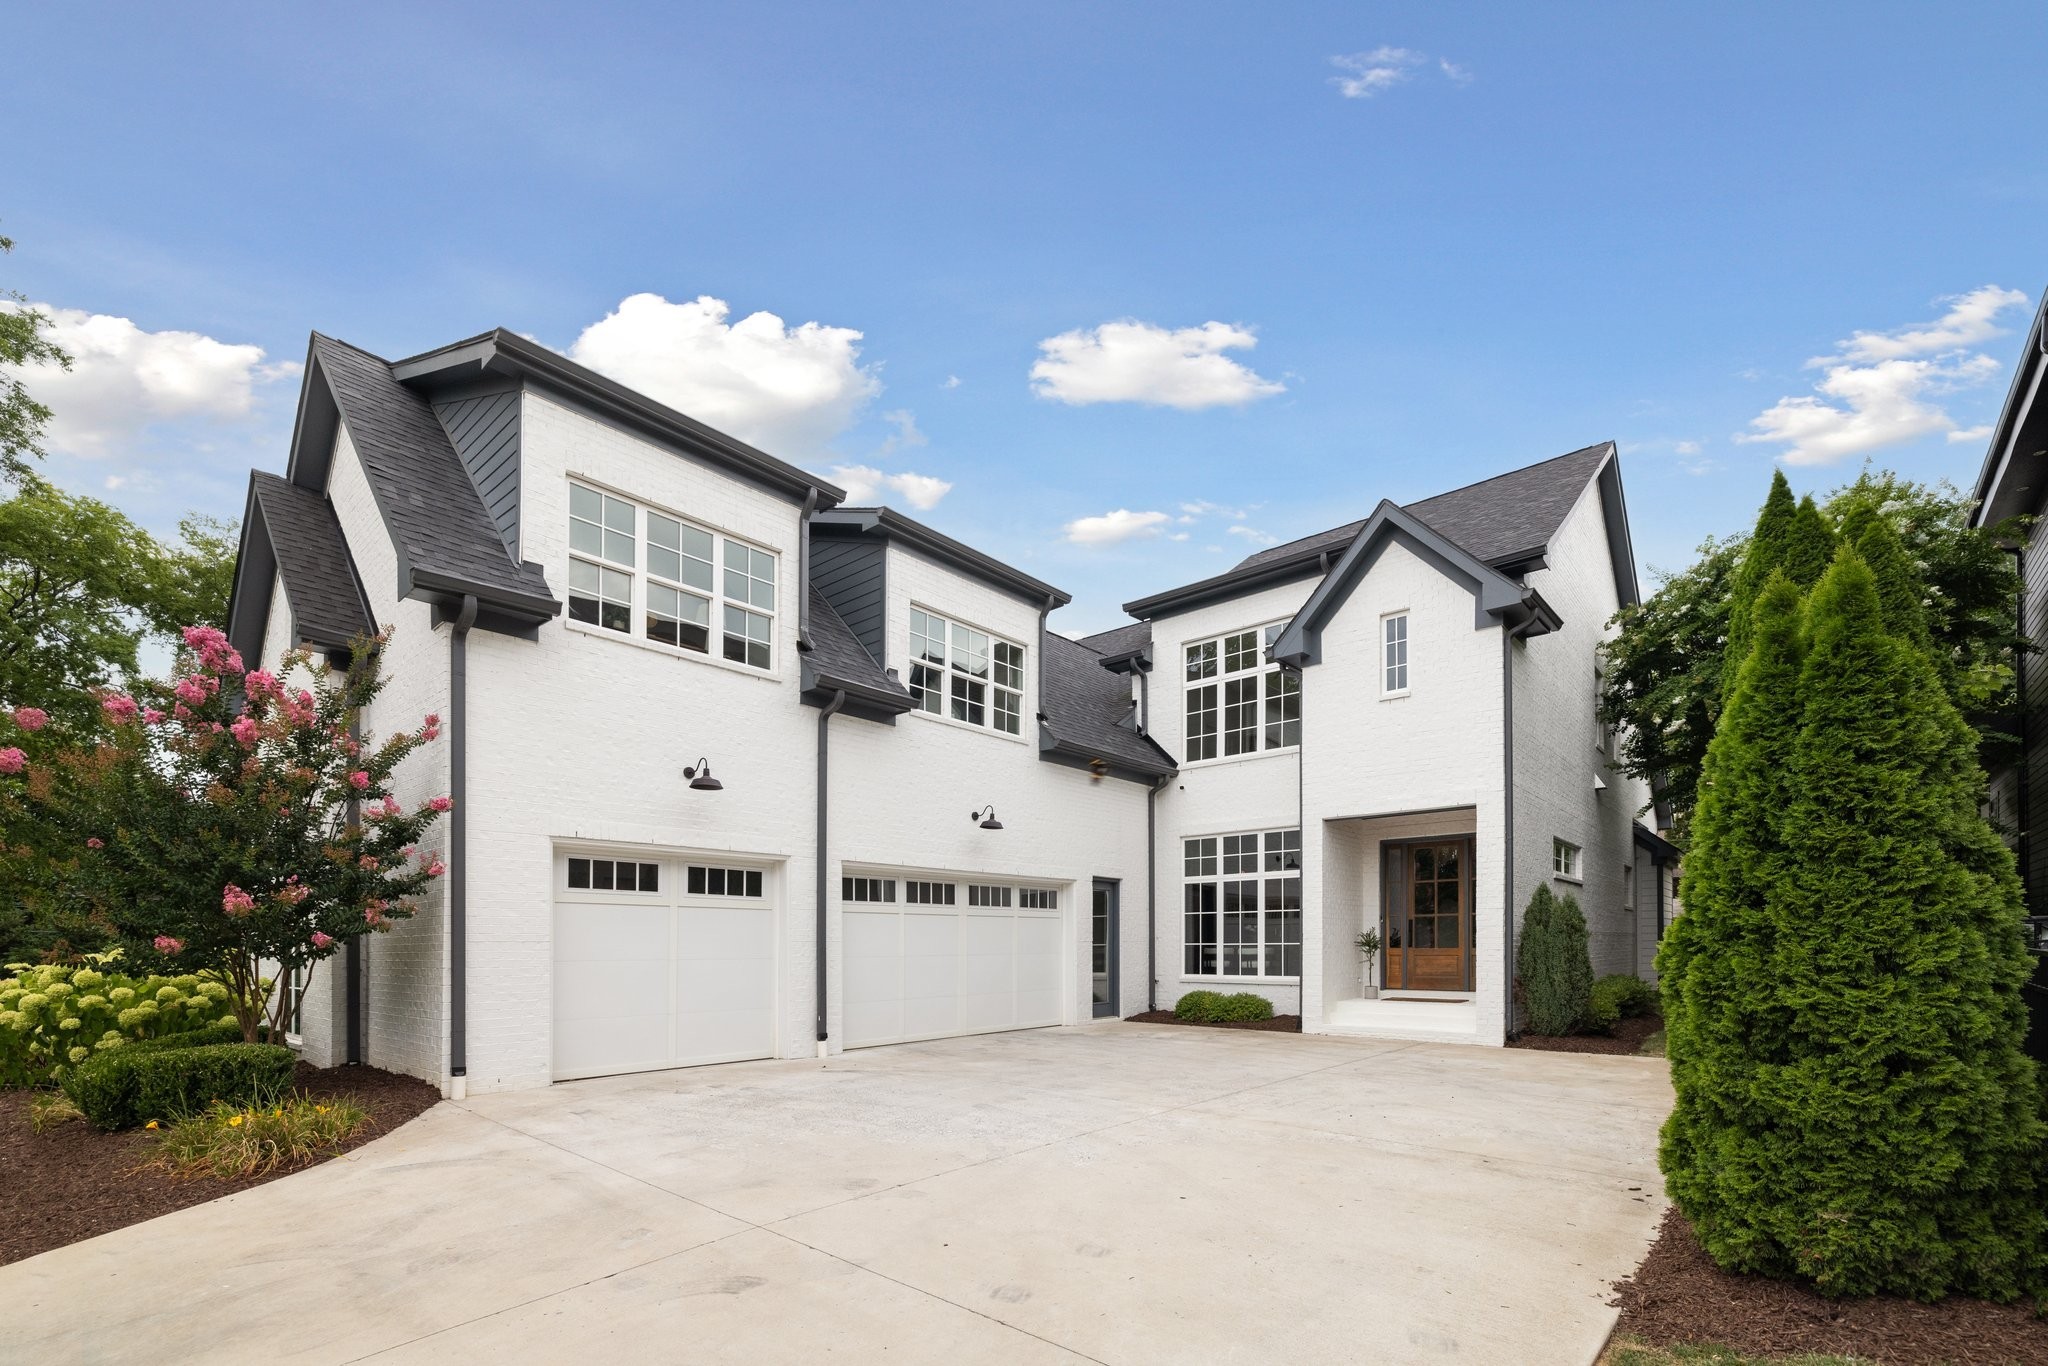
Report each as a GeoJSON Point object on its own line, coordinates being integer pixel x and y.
{"type": "Point", "coordinates": [227, 822]}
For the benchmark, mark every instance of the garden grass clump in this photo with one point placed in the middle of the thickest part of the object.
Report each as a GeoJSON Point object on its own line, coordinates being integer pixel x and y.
{"type": "Point", "coordinates": [48, 1109]}
{"type": "Point", "coordinates": [227, 1141]}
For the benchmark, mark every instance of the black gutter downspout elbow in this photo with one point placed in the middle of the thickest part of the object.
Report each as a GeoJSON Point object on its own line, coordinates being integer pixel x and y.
{"type": "Point", "coordinates": [803, 569]}
{"type": "Point", "coordinates": [824, 750]}
{"type": "Point", "coordinates": [458, 846]}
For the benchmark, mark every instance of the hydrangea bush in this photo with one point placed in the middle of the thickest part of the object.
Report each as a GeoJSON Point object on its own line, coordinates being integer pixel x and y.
{"type": "Point", "coordinates": [53, 1018]}
{"type": "Point", "coordinates": [235, 821]}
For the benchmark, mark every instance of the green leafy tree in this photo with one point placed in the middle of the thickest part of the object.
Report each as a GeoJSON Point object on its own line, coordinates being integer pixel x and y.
{"type": "Point", "coordinates": [1552, 964]}
{"type": "Point", "coordinates": [22, 344]}
{"type": "Point", "coordinates": [232, 824]}
{"type": "Point", "coordinates": [1854, 1106]}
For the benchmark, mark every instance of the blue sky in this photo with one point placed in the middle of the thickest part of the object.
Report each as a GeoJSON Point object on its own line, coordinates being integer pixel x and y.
{"type": "Point", "coordinates": [1271, 263]}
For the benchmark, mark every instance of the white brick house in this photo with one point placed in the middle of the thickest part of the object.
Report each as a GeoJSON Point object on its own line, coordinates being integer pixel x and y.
{"type": "Point", "coordinates": [599, 595]}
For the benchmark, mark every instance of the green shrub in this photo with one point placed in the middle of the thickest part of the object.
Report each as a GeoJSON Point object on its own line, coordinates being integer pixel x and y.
{"type": "Point", "coordinates": [1552, 964]}
{"type": "Point", "coordinates": [1617, 998]}
{"type": "Point", "coordinates": [1243, 1007]}
{"type": "Point", "coordinates": [1199, 1007]}
{"type": "Point", "coordinates": [128, 1086]}
{"type": "Point", "coordinates": [52, 1017]}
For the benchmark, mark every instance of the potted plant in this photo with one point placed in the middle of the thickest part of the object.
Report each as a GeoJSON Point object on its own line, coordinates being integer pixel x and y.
{"type": "Point", "coordinates": [1368, 943]}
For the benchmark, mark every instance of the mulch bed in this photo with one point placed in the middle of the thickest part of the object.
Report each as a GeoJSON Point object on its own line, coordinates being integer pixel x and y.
{"type": "Point", "coordinates": [1678, 1296]}
{"type": "Point", "coordinates": [1279, 1024]}
{"type": "Point", "coordinates": [74, 1182]}
{"type": "Point", "coordinates": [1627, 1037]}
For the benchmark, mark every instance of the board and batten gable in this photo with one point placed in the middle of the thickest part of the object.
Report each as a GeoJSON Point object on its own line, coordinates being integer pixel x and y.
{"type": "Point", "coordinates": [484, 429]}
{"type": "Point", "coordinates": [1558, 754]}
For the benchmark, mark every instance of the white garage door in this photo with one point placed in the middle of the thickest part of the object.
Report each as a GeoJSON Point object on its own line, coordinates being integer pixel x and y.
{"type": "Point", "coordinates": [947, 958]}
{"type": "Point", "coordinates": [660, 963]}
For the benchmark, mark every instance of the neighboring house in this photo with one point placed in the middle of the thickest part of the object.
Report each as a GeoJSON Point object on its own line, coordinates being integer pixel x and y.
{"type": "Point", "coordinates": [715, 739]}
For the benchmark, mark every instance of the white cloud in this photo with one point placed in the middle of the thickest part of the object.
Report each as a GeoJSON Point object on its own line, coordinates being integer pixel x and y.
{"type": "Point", "coordinates": [124, 380]}
{"type": "Point", "coordinates": [952, 382]}
{"type": "Point", "coordinates": [1880, 389]}
{"type": "Point", "coordinates": [1112, 528]}
{"type": "Point", "coordinates": [1962, 434]}
{"type": "Point", "coordinates": [789, 390]}
{"type": "Point", "coordinates": [864, 484]}
{"type": "Point", "coordinates": [1254, 535]}
{"type": "Point", "coordinates": [1367, 74]}
{"type": "Point", "coordinates": [906, 434]}
{"type": "Point", "coordinates": [1137, 362]}
{"type": "Point", "coordinates": [1191, 512]}
{"type": "Point", "coordinates": [1687, 448]}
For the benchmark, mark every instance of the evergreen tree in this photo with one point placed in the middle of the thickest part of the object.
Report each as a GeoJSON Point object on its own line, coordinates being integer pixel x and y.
{"type": "Point", "coordinates": [1900, 595]}
{"type": "Point", "coordinates": [1553, 964]}
{"type": "Point", "coordinates": [1809, 545]}
{"type": "Point", "coordinates": [1874, 1125]}
{"type": "Point", "coordinates": [1714, 966]}
{"type": "Point", "coordinates": [1764, 553]}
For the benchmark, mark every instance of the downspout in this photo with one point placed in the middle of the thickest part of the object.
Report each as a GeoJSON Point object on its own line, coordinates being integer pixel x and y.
{"type": "Point", "coordinates": [824, 721]}
{"type": "Point", "coordinates": [458, 849]}
{"type": "Point", "coordinates": [1141, 667]}
{"type": "Point", "coordinates": [1301, 833]}
{"type": "Point", "coordinates": [1507, 750]}
{"type": "Point", "coordinates": [803, 569]}
{"type": "Point", "coordinates": [1039, 698]}
{"type": "Point", "coordinates": [1152, 893]}
{"type": "Point", "coordinates": [1657, 866]}
{"type": "Point", "coordinates": [352, 954]}
{"type": "Point", "coordinates": [2022, 787]}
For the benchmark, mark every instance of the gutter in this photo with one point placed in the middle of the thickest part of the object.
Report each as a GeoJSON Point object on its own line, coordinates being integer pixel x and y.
{"type": "Point", "coordinates": [458, 849]}
{"type": "Point", "coordinates": [803, 569]}
{"type": "Point", "coordinates": [1152, 893]}
{"type": "Point", "coordinates": [352, 953]}
{"type": "Point", "coordinates": [1507, 755]}
{"type": "Point", "coordinates": [824, 750]}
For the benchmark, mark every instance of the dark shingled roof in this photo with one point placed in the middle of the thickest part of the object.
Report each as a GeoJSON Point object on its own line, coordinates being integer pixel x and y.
{"type": "Point", "coordinates": [313, 560]}
{"type": "Point", "coordinates": [1492, 520]}
{"type": "Point", "coordinates": [1121, 640]}
{"type": "Point", "coordinates": [438, 522]}
{"type": "Point", "coordinates": [837, 656]}
{"type": "Point", "coordinates": [1084, 704]}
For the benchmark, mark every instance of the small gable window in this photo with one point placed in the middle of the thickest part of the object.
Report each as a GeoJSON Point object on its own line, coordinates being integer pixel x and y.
{"type": "Point", "coordinates": [966, 674]}
{"type": "Point", "coordinates": [1394, 658]}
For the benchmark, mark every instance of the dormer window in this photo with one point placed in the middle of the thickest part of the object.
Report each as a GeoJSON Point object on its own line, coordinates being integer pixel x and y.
{"type": "Point", "coordinates": [965, 674]}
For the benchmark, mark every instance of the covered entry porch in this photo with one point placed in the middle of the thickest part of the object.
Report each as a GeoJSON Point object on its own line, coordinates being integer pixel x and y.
{"type": "Point", "coordinates": [1416, 879]}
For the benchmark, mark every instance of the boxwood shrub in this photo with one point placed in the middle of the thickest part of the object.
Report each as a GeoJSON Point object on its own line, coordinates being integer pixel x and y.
{"type": "Point", "coordinates": [1213, 1007]}
{"type": "Point", "coordinates": [131, 1085]}
{"type": "Point", "coordinates": [1617, 998]}
{"type": "Point", "coordinates": [1199, 1007]}
{"type": "Point", "coordinates": [52, 1018]}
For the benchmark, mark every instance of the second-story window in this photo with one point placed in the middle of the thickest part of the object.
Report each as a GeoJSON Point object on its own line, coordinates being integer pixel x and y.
{"type": "Point", "coordinates": [1394, 636]}
{"type": "Point", "coordinates": [1237, 703]}
{"type": "Point", "coordinates": [967, 674]}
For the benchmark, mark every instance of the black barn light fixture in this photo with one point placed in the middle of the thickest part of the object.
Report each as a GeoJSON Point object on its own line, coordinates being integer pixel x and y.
{"type": "Point", "coordinates": [987, 817]}
{"type": "Point", "coordinates": [701, 779]}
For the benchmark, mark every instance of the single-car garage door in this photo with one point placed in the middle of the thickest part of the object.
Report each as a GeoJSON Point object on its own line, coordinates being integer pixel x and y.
{"type": "Point", "coordinates": [925, 959]}
{"type": "Point", "coordinates": [660, 963]}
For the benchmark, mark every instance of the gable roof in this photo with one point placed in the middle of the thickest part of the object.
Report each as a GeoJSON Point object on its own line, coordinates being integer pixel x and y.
{"type": "Point", "coordinates": [890, 523]}
{"type": "Point", "coordinates": [837, 660]}
{"type": "Point", "coordinates": [447, 543]}
{"type": "Point", "coordinates": [1506, 522]}
{"type": "Point", "coordinates": [2014, 477]}
{"type": "Point", "coordinates": [292, 534]}
{"type": "Point", "coordinates": [1121, 642]}
{"type": "Point", "coordinates": [1083, 707]}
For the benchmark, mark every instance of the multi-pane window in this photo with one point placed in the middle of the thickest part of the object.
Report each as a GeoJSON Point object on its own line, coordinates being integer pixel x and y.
{"type": "Point", "coordinates": [603, 555]}
{"type": "Point", "coordinates": [1394, 639]}
{"type": "Point", "coordinates": [1564, 858]}
{"type": "Point", "coordinates": [987, 896]}
{"type": "Point", "coordinates": [1242, 905]}
{"type": "Point", "coordinates": [678, 588]}
{"type": "Point", "coordinates": [1237, 703]}
{"type": "Point", "coordinates": [613, 875]}
{"type": "Point", "coordinates": [867, 889]}
{"type": "Point", "coordinates": [704, 881]}
{"type": "Point", "coordinates": [967, 674]}
{"type": "Point", "coordinates": [1037, 899]}
{"type": "Point", "coordinates": [930, 893]}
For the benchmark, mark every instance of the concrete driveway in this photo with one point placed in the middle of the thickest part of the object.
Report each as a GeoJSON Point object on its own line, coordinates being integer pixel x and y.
{"type": "Point", "coordinates": [1113, 1193]}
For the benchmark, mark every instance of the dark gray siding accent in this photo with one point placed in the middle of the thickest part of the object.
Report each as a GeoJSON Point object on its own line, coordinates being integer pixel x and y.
{"type": "Point", "coordinates": [485, 432]}
{"type": "Point", "coordinates": [849, 573]}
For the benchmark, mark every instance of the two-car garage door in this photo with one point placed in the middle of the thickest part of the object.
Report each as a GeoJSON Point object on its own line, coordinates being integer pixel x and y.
{"type": "Point", "coordinates": [947, 958]}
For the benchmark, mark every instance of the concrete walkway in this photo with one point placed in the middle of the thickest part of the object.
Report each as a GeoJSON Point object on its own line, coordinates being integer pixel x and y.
{"type": "Point", "coordinates": [1112, 1193]}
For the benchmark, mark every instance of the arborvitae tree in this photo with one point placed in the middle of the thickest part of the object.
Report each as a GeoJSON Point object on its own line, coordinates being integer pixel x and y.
{"type": "Point", "coordinates": [1877, 1128]}
{"type": "Point", "coordinates": [1552, 963]}
{"type": "Point", "coordinates": [1714, 966]}
{"type": "Point", "coordinates": [1809, 545]}
{"type": "Point", "coordinates": [1900, 593]}
{"type": "Point", "coordinates": [1764, 553]}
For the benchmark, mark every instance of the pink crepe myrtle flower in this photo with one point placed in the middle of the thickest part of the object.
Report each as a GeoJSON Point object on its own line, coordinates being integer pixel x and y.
{"type": "Point", "coordinates": [368, 863]}
{"type": "Point", "coordinates": [152, 716]}
{"type": "Point", "coordinates": [165, 944]}
{"type": "Point", "coordinates": [119, 707]}
{"type": "Point", "coordinates": [12, 760]}
{"type": "Point", "coordinates": [432, 729]}
{"type": "Point", "coordinates": [260, 683]}
{"type": "Point", "coordinates": [213, 649]}
{"type": "Point", "coordinates": [245, 729]}
{"type": "Point", "coordinates": [321, 940]}
{"type": "Point", "coordinates": [293, 892]}
{"type": "Point", "coordinates": [359, 780]}
{"type": "Point", "coordinates": [191, 691]}
{"type": "Point", "coordinates": [95, 843]}
{"type": "Point", "coordinates": [441, 803]}
{"type": "Point", "coordinates": [235, 901]}
{"type": "Point", "coordinates": [31, 718]}
{"type": "Point", "coordinates": [182, 712]}
{"type": "Point", "coordinates": [407, 852]}
{"type": "Point", "coordinates": [436, 868]}
{"type": "Point", "coordinates": [391, 807]}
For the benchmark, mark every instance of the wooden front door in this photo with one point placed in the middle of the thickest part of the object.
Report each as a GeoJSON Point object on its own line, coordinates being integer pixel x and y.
{"type": "Point", "coordinates": [1426, 915]}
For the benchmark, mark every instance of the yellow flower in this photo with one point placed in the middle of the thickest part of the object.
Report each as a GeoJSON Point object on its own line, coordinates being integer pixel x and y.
{"type": "Point", "coordinates": [234, 1121]}
{"type": "Point", "coordinates": [150, 1125]}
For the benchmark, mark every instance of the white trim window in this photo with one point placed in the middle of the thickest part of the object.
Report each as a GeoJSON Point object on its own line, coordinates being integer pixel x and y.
{"type": "Point", "coordinates": [1237, 703]}
{"type": "Point", "coordinates": [967, 674]}
{"type": "Point", "coordinates": [1242, 905]}
{"type": "Point", "coordinates": [871, 889]}
{"type": "Point", "coordinates": [1037, 899]}
{"type": "Point", "coordinates": [1394, 654]}
{"type": "Point", "coordinates": [1565, 860]}
{"type": "Point", "coordinates": [680, 587]}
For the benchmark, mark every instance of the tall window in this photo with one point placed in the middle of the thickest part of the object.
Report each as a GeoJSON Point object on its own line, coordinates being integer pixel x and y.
{"type": "Point", "coordinates": [677, 586]}
{"type": "Point", "coordinates": [967, 674]}
{"type": "Point", "coordinates": [1564, 859]}
{"type": "Point", "coordinates": [1236, 702]}
{"type": "Point", "coordinates": [1395, 636]}
{"type": "Point", "coordinates": [1242, 905]}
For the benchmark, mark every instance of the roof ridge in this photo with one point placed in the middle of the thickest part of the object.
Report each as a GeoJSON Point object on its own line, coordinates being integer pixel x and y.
{"type": "Point", "coordinates": [1509, 474]}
